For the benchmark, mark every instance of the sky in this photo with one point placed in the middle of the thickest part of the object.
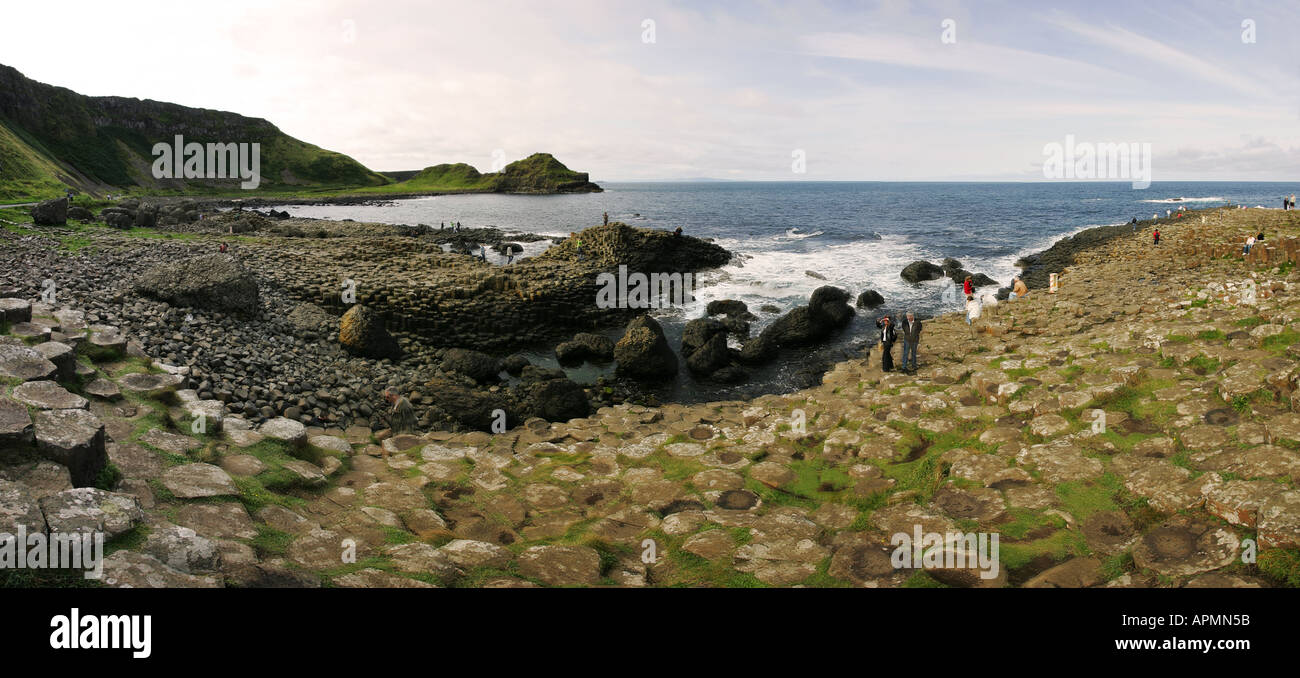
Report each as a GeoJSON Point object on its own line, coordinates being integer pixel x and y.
{"type": "Point", "coordinates": [752, 90]}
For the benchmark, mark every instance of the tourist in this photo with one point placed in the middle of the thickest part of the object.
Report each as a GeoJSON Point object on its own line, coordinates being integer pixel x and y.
{"type": "Point", "coordinates": [1018, 288]}
{"type": "Point", "coordinates": [607, 218]}
{"type": "Point", "coordinates": [972, 310]}
{"type": "Point", "coordinates": [1135, 224]}
{"type": "Point", "coordinates": [1250, 242]}
{"type": "Point", "coordinates": [968, 287]}
{"type": "Point", "coordinates": [401, 418]}
{"type": "Point", "coordinates": [1286, 203]}
{"type": "Point", "coordinates": [990, 300]}
{"type": "Point", "coordinates": [911, 338]}
{"type": "Point", "coordinates": [887, 338]}
{"type": "Point", "coordinates": [1155, 237]}
{"type": "Point", "coordinates": [1292, 201]}
{"type": "Point", "coordinates": [678, 232]}
{"type": "Point", "coordinates": [222, 249]}
{"type": "Point", "coordinates": [1259, 237]}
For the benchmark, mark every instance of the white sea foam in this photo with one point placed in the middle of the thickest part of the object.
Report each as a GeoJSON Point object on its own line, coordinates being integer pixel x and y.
{"type": "Point", "coordinates": [1179, 200]}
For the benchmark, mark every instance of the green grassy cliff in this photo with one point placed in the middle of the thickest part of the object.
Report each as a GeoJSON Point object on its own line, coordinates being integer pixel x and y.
{"type": "Point", "coordinates": [538, 173]}
{"type": "Point", "coordinates": [52, 138]}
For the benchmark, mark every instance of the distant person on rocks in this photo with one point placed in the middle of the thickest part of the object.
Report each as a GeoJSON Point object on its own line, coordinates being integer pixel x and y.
{"type": "Point", "coordinates": [678, 232]}
{"type": "Point", "coordinates": [972, 311]}
{"type": "Point", "coordinates": [577, 245]}
{"type": "Point", "coordinates": [1155, 237]}
{"type": "Point", "coordinates": [482, 252]}
{"type": "Point", "coordinates": [607, 218]}
{"type": "Point", "coordinates": [1135, 224]}
{"type": "Point", "coordinates": [223, 248]}
{"type": "Point", "coordinates": [1018, 288]}
{"type": "Point", "coordinates": [911, 328]}
{"type": "Point", "coordinates": [968, 287]}
{"type": "Point", "coordinates": [1259, 237]}
{"type": "Point", "coordinates": [887, 338]}
{"type": "Point", "coordinates": [1250, 242]}
{"type": "Point", "coordinates": [401, 419]}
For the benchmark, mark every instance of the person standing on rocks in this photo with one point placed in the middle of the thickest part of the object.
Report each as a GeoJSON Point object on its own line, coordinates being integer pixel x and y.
{"type": "Point", "coordinates": [887, 338]}
{"type": "Point", "coordinates": [911, 338]}
{"type": "Point", "coordinates": [607, 218]}
{"type": "Point", "coordinates": [401, 419]}
{"type": "Point", "coordinates": [968, 287]}
{"type": "Point", "coordinates": [972, 312]}
{"type": "Point", "coordinates": [1155, 237]}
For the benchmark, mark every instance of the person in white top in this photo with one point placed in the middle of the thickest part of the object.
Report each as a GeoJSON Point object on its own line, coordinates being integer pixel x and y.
{"type": "Point", "coordinates": [1250, 242]}
{"type": "Point", "coordinates": [972, 311]}
{"type": "Point", "coordinates": [990, 301]}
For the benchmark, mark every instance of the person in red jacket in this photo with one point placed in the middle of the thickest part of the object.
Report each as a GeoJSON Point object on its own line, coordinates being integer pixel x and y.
{"type": "Point", "coordinates": [1155, 237]}
{"type": "Point", "coordinates": [968, 287]}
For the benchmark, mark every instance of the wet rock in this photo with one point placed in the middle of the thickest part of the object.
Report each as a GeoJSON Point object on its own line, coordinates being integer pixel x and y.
{"type": "Point", "coordinates": [919, 271]}
{"type": "Point", "coordinates": [585, 346]}
{"type": "Point", "coordinates": [215, 282]}
{"type": "Point", "coordinates": [643, 352]}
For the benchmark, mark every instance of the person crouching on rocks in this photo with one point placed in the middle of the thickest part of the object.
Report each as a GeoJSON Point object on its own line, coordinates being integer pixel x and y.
{"type": "Point", "coordinates": [1018, 288]}
{"type": "Point", "coordinates": [887, 338]}
{"type": "Point", "coordinates": [401, 419]}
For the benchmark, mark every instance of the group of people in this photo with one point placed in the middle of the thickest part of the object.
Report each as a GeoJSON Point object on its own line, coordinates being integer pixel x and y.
{"type": "Point", "coordinates": [1251, 241]}
{"type": "Point", "coordinates": [1288, 203]}
{"type": "Point", "coordinates": [908, 328]}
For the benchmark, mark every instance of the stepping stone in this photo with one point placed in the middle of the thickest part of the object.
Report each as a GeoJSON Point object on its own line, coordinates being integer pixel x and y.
{"type": "Point", "coordinates": [48, 395]}
{"type": "Point", "coordinates": [321, 549]}
{"type": "Point", "coordinates": [151, 385]}
{"type": "Point", "coordinates": [243, 465]}
{"type": "Point", "coordinates": [18, 508]}
{"type": "Point", "coordinates": [241, 437]}
{"type": "Point", "coordinates": [395, 496]}
{"type": "Point", "coordinates": [191, 481]}
{"type": "Point", "coordinates": [135, 461]}
{"type": "Point", "coordinates": [21, 362]}
{"type": "Point", "coordinates": [467, 554]}
{"type": "Point", "coordinates": [134, 570]}
{"type": "Point", "coordinates": [16, 430]}
{"type": "Point", "coordinates": [62, 356]}
{"type": "Point", "coordinates": [182, 549]}
{"type": "Point", "coordinates": [15, 310]}
{"type": "Point", "coordinates": [710, 545]}
{"type": "Point", "coordinates": [104, 389]}
{"type": "Point", "coordinates": [370, 578]}
{"type": "Point", "coordinates": [309, 474]}
{"type": "Point", "coordinates": [1238, 501]}
{"type": "Point", "coordinates": [89, 510]}
{"type": "Point", "coordinates": [1183, 546]}
{"type": "Point", "coordinates": [211, 412]}
{"type": "Point", "coordinates": [284, 520]}
{"type": "Point", "coordinates": [1279, 521]}
{"type": "Point", "coordinates": [108, 338]}
{"type": "Point", "coordinates": [170, 442]}
{"type": "Point", "coordinates": [75, 439]}
{"type": "Point", "coordinates": [70, 320]}
{"type": "Point", "coordinates": [42, 478]}
{"type": "Point", "coordinates": [423, 559]}
{"type": "Point", "coordinates": [561, 565]}
{"type": "Point", "coordinates": [331, 444]}
{"type": "Point", "coordinates": [30, 331]}
{"type": "Point", "coordinates": [286, 430]}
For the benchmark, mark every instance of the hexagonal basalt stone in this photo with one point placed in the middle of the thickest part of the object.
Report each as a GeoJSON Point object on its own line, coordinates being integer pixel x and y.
{"type": "Point", "coordinates": [561, 565]}
{"type": "Point", "coordinates": [1279, 520]}
{"type": "Point", "coordinates": [18, 508]}
{"type": "Point", "coordinates": [30, 331]}
{"type": "Point", "coordinates": [61, 355]}
{"type": "Point", "coordinates": [190, 481]}
{"type": "Point", "coordinates": [16, 431]}
{"type": "Point", "coordinates": [108, 338]}
{"type": "Point", "coordinates": [48, 395]}
{"type": "Point", "coordinates": [103, 388]}
{"type": "Point", "coordinates": [284, 429]}
{"type": "Point", "coordinates": [15, 310]}
{"type": "Point", "coordinates": [74, 438]}
{"type": "Point", "coordinates": [151, 385]}
{"type": "Point", "coordinates": [20, 362]}
{"type": "Point", "coordinates": [89, 510]}
{"type": "Point", "coordinates": [1184, 546]}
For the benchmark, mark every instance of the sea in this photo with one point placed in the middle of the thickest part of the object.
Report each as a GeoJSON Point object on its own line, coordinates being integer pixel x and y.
{"type": "Point", "coordinates": [792, 237]}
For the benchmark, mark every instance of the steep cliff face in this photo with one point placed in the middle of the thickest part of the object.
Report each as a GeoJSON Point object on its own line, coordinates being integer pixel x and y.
{"type": "Point", "coordinates": [107, 142]}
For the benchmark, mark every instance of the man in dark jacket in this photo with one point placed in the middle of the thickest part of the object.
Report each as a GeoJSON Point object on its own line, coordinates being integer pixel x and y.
{"type": "Point", "coordinates": [887, 338]}
{"type": "Point", "coordinates": [910, 328]}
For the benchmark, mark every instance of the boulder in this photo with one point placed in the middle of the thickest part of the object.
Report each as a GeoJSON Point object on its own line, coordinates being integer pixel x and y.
{"type": "Point", "coordinates": [80, 214]}
{"type": "Point", "coordinates": [870, 299]}
{"type": "Point", "coordinates": [643, 352]}
{"type": "Point", "coordinates": [51, 212]}
{"type": "Point", "coordinates": [585, 346]}
{"type": "Point", "coordinates": [919, 271]}
{"type": "Point", "coordinates": [704, 346]}
{"type": "Point", "coordinates": [555, 400]}
{"type": "Point", "coordinates": [362, 332]}
{"type": "Point", "coordinates": [468, 406]}
{"type": "Point", "coordinates": [826, 312]}
{"type": "Point", "coordinates": [730, 308]}
{"type": "Point", "coordinates": [476, 365]}
{"type": "Point", "coordinates": [216, 282]}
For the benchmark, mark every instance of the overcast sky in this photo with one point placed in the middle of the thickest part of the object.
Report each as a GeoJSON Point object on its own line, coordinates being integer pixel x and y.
{"type": "Point", "coordinates": [866, 90]}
